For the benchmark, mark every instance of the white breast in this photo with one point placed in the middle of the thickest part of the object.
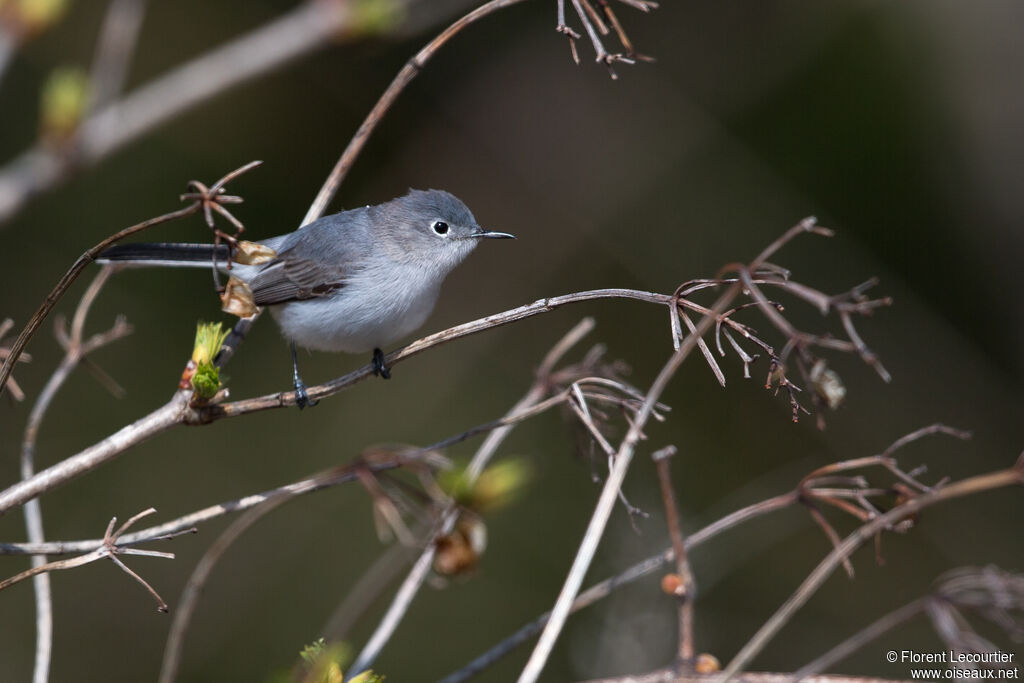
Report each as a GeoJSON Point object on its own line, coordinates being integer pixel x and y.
{"type": "Point", "coordinates": [375, 308]}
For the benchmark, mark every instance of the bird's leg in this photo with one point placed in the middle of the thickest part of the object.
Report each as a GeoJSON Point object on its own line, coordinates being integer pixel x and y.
{"type": "Point", "coordinates": [301, 397]}
{"type": "Point", "coordinates": [379, 368]}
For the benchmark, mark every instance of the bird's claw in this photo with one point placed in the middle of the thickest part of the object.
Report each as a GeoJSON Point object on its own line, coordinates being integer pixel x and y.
{"type": "Point", "coordinates": [379, 367]}
{"type": "Point", "coordinates": [302, 398]}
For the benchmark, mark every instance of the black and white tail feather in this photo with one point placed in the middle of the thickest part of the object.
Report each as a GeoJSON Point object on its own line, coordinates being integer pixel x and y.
{"type": "Point", "coordinates": [165, 254]}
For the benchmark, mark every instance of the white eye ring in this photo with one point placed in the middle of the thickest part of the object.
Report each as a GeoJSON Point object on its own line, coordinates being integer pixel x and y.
{"type": "Point", "coordinates": [440, 227]}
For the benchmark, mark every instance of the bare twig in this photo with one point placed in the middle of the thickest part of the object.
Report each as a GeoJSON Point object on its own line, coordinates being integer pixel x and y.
{"type": "Point", "coordinates": [686, 590]}
{"type": "Point", "coordinates": [606, 587]}
{"type": "Point", "coordinates": [623, 457]}
{"type": "Point", "coordinates": [609, 494]}
{"type": "Point", "coordinates": [197, 580]}
{"type": "Point", "coordinates": [5, 325]}
{"type": "Point", "coordinates": [991, 591]}
{"type": "Point", "coordinates": [863, 637]}
{"type": "Point", "coordinates": [82, 262]}
{"type": "Point", "coordinates": [75, 351]}
{"type": "Point", "coordinates": [109, 549]}
{"type": "Point", "coordinates": [414, 581]}
{"type": "Point", "coordinates": [976, 484]}
{"type": "Point", "coordinates": [810, 485]}
{"type": "Point", "coordinates": [404, 77]}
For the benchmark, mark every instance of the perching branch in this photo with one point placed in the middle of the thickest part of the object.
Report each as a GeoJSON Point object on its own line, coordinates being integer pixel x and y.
{"type": "Point", "coordinates": [179, 411]}
{"type": "Point", "coordinates": [404, 77]}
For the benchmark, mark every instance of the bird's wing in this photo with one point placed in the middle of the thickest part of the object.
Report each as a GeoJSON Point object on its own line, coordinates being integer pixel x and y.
{"type": "Point", "coordinates": [314, 261]}
{"type": "Point", "coordinates": [288, 278]}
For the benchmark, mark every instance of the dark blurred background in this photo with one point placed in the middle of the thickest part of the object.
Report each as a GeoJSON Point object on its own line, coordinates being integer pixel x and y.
{"type": "Point", "coordinates": [897, 124]}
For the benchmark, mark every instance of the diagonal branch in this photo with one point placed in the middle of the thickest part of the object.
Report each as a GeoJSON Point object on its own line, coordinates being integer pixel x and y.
{"type": "Point", "coordinates": [414, 581]}
{"type": "Point", "coordinates": [977, 484]}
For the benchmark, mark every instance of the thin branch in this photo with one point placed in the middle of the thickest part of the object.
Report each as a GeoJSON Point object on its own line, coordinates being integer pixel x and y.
{"type": "Point", "coordinates": [976, 484]}
{"type": "Point", "coordinates": [197, 580]}
{"type": "Point", "coordinates": [414, 581]}
{"type": "Point", "coordinates": [5, 325]}
{"type": "Point", "coordinates": [609, 494]}
{"type": "Point", "coordinates": [891, 620]}
{"type": "Point", "coordinates": [623, 457]}
{"type": "Point", "coordinates": [404, 77]}
{"type": "Point", "coordinates": [604, 588]}
{"type": "Point", "coordinates": [686, 591]}
{"type": "Point", "coordinates": [88, 257]}
{"type": "Point", "coordinates": [316, 482]}
{"type": "Point", "coordinates": [75, 352]}
{"type": "Point", "coordinates": [108, 549]}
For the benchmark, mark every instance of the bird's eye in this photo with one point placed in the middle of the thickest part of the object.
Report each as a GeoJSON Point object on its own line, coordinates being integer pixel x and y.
{"type": "Point", "coordinates": [440, 227]}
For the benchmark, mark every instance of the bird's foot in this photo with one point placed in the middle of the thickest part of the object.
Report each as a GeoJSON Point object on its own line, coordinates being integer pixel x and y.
{"type": "Point", "coordinates": [379, 367]}
{"type": "Point", "coordinates": [302, 398]}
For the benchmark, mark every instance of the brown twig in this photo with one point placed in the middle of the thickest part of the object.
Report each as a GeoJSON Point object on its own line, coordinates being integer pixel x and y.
{"type": "Point", "coordinates": [197, 580]}
{"type": "Point", "coordinates": [684, 586]}
{"type": "Point", "coordinates": [414, 581]}
{"type": "Point", "coordinates": [404, 77]}
{"type": "Point", "coordinates": [109, 549]}
{"type": "Point", "coordinates": [809, 485]}
{"type": "Point", "coordinates": [983, 482]}
{"type": "Point", "coordinates": [178, 410]}
{"type": "Point", "coordinates": [82, 262]}
{"type": "Point", "coordinates": [989, 590]}
{"type": "Point", "coordinates": [594, 24]}
{"type": "Point", "coordinates": [604, 588]}
{"type": "Point", "coordinates": [5, 351]}
{"type": "Point", "coordinates": [602, 511]}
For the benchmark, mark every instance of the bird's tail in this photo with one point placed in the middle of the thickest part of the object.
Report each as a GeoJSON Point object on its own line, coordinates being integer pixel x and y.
{"type": "Point", "coordinates": [165, 254]}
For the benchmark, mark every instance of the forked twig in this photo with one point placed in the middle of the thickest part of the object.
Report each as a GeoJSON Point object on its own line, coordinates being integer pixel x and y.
{"type": "Point", "coordinates": [983, 482]}
{"type": "Point", "coordinates": [109, 549]}
{"type": "Point", "coordinates": [76, 269]}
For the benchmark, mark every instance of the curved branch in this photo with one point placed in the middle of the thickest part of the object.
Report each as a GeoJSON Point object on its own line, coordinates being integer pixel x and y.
{"type": "Point", "coordinates": [404, 77]}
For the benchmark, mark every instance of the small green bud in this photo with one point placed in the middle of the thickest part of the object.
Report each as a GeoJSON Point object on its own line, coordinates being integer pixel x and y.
{"type": "Point", "coordinates": [206, 379]}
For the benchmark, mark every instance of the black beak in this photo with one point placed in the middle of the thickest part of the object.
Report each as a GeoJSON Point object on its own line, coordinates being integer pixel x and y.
{"type": "Point", "coordinates": [490, 234]}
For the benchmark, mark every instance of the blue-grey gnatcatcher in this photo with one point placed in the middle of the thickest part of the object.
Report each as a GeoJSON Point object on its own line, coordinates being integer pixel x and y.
{"type": "Point", "coordinates": [353, 281]}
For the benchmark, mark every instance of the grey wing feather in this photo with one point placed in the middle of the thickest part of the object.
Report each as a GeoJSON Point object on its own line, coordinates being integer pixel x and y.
{"type": "Point", "coordinates": [314, 261]}
{"type": "Point", "coordinates": [290, 279]}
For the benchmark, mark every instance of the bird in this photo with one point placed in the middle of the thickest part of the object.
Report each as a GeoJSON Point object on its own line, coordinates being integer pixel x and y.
{"type": "Point", "coordinates": [351, 281]}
